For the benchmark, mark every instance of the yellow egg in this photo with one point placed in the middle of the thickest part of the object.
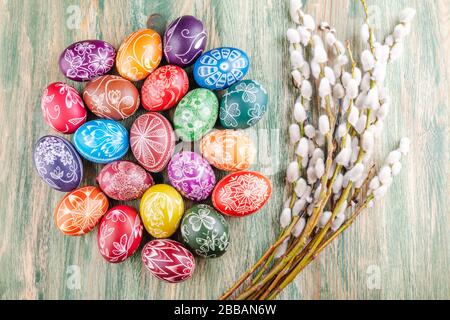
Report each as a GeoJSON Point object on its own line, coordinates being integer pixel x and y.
{"type": "Point", "coordinates": [161, 210]}
{"type": "Point", "coordinates": [139, 54]}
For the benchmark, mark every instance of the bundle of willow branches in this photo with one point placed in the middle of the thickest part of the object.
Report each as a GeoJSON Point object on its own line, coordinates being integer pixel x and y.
{"type": "Point", "coordinates": [339, 115]}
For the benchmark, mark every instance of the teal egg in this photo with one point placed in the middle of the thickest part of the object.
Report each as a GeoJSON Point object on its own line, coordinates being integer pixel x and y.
{"type": "Point", "coordinates": [196, 114]}
{"type": "Point", "coordinates": [205, 231]}
{"type": "Point", "coordinates": [243, 105]}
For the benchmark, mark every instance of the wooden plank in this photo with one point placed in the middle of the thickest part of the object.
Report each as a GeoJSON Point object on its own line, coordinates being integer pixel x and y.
{"type": "Point", "coordinates": [399, 249]}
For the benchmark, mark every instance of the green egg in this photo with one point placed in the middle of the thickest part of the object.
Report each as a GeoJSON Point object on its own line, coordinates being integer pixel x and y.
{"type": "Point", "coordinates": [196, 114]}
{"type": "Point", "coordinates": [243, 105]}
{"type": "Point", "coordinates": [205, 231]}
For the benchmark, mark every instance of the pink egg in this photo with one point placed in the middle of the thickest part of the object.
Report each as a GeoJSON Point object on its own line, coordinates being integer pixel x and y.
{"type": "Point", "coordinates": [63, 108]}
{"type": "Point", "coordinates": [119, 234]}
{"type": "Point", "coordinates": [124, 180]}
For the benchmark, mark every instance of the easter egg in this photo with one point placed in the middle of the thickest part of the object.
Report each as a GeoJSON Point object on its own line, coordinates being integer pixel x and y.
{"type": "Point", "coordinates": [241, 193]}
{"type": "Point", "coordinates": [164, 88]}
{"type": "Point", "coordinates": [124, 180]}
{"type": "Point", "coordinates": [111, 97]}
{"type": "Point", "coordinates": [62, 108]}
{"type": "Point", "coordinates": [152, 141]}
{"type": "Point", "coordinates": [196, 114]}
{"type": "Point", "coordinates": [228, 150]}
{"type": "Point", "coordinates": [119, 234]}
{"type": "Point", "coordinates": [139, 54]}
{"type": "Point", "coordinates": [184, 41]}
{"type": "Point", "coordinates": [191, 175]}
{"type": "Point", "coordinates": [86, 60]}
{"type": "Point", "coordinates": [220, 68]}
{"type": "Point", "coordinates": [101, 141]}
{"type": "Point", "coordinates": [205, 231]}
{"type": "Point", "coordinates": [80, 210]}
{"type": "Point", "coordinates": [161, 210]}
{"type": "Point", "coordinates": [58, 163]}
{"type": "Point", "coordinates": [243, 105]}
{"type": "Point", "coordinates": [168, 260]}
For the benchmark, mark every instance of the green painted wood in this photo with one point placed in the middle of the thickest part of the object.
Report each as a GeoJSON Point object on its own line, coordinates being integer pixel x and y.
{"type": "Point", "coordinates": [399, 249]}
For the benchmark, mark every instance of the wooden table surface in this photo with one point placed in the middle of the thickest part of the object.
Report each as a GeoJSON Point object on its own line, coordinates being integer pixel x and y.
{"type": "Point", "coordinates": [398, 250]}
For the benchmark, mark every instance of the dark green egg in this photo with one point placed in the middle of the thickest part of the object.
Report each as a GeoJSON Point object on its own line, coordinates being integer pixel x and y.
{"type": "Point", "coordinates": [205, 231]}
{"type": "Point", "coordinates": [243, 105]}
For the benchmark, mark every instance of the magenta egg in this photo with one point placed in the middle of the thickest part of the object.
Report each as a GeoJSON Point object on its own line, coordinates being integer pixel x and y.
{"type": "Point", "coordinates": [63, 108]}
{"type": "Point", "coordinates": [124, 180]}
{"type": "Point", "coordinates": [191, 175]}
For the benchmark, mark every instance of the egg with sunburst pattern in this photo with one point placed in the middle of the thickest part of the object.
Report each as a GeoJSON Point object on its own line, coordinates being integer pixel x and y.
{"type": "Point", "coordinates": [152, 141]}
{"type": "Point", "coordinates": [79, 211]}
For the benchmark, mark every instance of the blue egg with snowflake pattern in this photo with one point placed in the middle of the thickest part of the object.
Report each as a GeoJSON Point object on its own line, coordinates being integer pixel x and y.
{"type": "Point", "coordinates": [220, 68]}
{"type": "Point", "coordinates": [243, 105]}
{"type": "Point", "coordinates": [101, 141]}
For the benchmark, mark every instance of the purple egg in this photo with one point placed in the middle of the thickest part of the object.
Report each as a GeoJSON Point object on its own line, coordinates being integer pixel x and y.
{"type": "Point", "coordinates": [191, 175]}
{"type": "Point", "coordinates": [184, 41]}
{"type": "Point", "coordinates": [58, 163]}
{"type": "Point", "coordinates": [86, 60]}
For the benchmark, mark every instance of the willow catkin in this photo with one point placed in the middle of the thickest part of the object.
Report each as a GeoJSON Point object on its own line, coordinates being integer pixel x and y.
{"type": "Point", "coordinates": [324, 124]}
{"type": "Point", "coordinates": [292, 173]}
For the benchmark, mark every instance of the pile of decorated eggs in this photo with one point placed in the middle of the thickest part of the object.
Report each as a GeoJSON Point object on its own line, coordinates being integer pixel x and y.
{"type": "Point", "coordinates": [151, 139]}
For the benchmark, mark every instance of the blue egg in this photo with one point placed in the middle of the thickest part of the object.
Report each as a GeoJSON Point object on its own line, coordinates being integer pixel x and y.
{"type": "Point", "coordinates": [101, 141]}
{"type": "Point", "coordinates": [58, 163]}
{"type": "Point", "coordinates": [220, 68]}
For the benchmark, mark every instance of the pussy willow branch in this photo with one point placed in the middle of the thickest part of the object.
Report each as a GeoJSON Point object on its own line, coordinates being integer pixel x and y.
{"type": "Point", "coordinates": [325, 195]}
{"type": "Point", "coordinates": [371, 36]}
{"type": "Point", "coordinates": [315, 242]}
{"type": "Point", "coordinates": [319, 243]}
{"type": "Point", "coordinates": [303, 248]}
{"type": "Point", "coordinates": [304, 263]}
{"type": "Point", "coordinates": [323, 199]}
{"type": "Point", "coordinates": [271, 249]}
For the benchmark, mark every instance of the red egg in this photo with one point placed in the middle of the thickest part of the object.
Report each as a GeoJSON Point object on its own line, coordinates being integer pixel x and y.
{"type": "Point", "coordinates": [241, 193]}
{"type": "Point", "coordinates": [168, 260]}
{"type": "Point", "coordinates": [124, 180]}
{"type": "Point", "coordinates": [63, 108]}
{"type": "Point", "coordinates": [152, 141]}
{"type": "Point", "coordinates": [119, 234]}
{"type": "Point", "coordinates": [164, 88]}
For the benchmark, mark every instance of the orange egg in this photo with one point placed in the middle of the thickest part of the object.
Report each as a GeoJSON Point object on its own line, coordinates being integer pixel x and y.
{"type": "Point", "coordinates": [80, 210]}
{"type": "Point", "coordinates": [139, 54]}
{"type": "Point", "coordinates": [228, 150]}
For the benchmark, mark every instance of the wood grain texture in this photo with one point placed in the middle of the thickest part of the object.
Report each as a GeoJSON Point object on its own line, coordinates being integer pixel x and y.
{"type": "Point", "coordinates": [403, 242]}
